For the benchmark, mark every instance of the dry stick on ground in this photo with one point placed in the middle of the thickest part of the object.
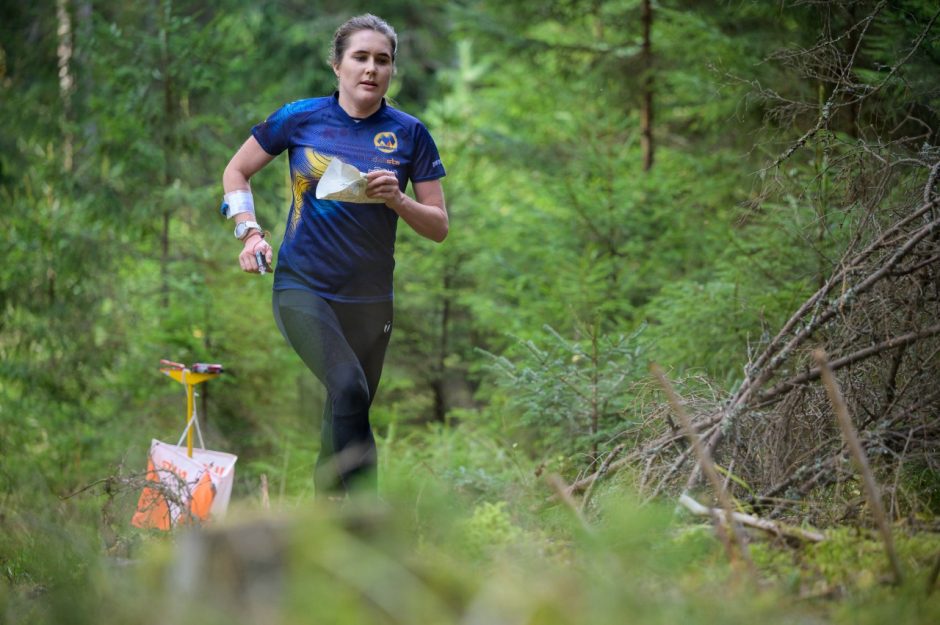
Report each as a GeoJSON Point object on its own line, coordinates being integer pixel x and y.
{"type": "Point", "coordinates": [777, 529]}
{"type": "Point", "coordinates": [670, 471]}
{"type": "Point", "coordinates": [705, 461]}
{"type": "Point", "coordinates": [800, 479]}
{"type": "Point", "coordinates": [647, 466]}
{"type": "Point", "coordinates": [861, 461]}
{"type": "Point", "coordinates": [561, 490]}
{"type": "Point", "coordinates": [670, 439]}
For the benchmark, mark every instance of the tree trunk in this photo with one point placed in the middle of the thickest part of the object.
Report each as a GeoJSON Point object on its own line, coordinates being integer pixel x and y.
{"type": "Point", "coordinates": [169, 142]}
{"type": "Point", "coordinates": [66, 81]}
{"type": "Point", "coordinates": [822, 202]}
{"type": "Point", "coordinates": [646, 113]}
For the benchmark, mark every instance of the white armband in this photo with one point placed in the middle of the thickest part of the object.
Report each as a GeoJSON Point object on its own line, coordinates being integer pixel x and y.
{"type": "Point", "coordinates": [237, 202]}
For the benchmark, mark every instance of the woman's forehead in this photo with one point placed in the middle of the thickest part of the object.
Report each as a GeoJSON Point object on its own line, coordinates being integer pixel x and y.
{"type": "Point", "coordinates": [369, 41]}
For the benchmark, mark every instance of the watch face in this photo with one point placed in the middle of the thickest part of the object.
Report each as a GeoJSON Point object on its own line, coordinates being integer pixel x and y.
{"type": "Point", "coordinates": [243, 227]}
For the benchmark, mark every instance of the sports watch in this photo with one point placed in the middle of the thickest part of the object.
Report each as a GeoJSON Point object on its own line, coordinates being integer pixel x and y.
{"type": "Point", "coordinates": [243, 228]}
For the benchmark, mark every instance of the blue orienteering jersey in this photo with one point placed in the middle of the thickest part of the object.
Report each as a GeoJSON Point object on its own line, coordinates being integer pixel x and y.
{"type": "Point", "coordinates": [343, 251]}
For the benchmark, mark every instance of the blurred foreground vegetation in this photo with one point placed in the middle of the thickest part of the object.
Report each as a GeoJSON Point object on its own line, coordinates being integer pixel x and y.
{"type": "Point", "coordinates": [629, 182]}
{"type": "Point", "coordinates": [464, 536]}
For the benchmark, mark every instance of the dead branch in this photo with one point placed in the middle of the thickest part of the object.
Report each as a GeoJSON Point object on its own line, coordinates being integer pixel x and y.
{"type": "Point", "coordinates": [814, 373]}
{"type": "Point", "coordinates": [931, 182]}
{"type": "Point", "coordinates": [672, 470]}
{"type": "Point", "coordinates": [835, 307]}
{"type": "Point", "coordinates": [861, 460]}
{"type": "Point", "coordinates": [838, 277]}
{"type": "Point", "coordinates": [864, 22]}
{"type": "Point", "coordinates": [105, 480]}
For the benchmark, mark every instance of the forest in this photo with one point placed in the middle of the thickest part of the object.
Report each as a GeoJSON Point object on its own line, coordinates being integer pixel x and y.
{"type": "Point", "coordinates": [676, 361]}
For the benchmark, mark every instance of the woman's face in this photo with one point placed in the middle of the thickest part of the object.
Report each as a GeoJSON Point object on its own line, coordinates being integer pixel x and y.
{"type": "Point", "coordinates": [364, 72]}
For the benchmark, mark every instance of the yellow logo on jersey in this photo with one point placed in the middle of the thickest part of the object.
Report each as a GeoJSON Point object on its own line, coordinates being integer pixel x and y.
{"type": "Point", "coordinates": [308, 168]}
{"type": "Point", "coordinates": [386, 142]}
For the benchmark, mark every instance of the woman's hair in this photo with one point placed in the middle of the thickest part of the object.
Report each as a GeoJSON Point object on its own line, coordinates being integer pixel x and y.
{"type": "Point", "coordinates": [366, 21]}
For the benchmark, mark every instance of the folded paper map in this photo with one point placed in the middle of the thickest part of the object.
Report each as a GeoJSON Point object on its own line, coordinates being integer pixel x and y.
{"type": "Point", "coordinates": [344, 182]}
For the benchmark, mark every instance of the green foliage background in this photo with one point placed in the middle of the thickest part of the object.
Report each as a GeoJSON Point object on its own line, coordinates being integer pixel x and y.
{"type": "Point", "coordinates": [520, 342]}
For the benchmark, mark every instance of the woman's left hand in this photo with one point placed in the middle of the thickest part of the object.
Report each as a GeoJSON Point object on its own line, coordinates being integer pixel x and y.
{"type": "Point", "coordinates": [383, 184]}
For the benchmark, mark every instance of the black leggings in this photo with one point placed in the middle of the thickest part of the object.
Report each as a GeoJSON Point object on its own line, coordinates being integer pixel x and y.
{"type": "Point", "coordinates": [344, 346]}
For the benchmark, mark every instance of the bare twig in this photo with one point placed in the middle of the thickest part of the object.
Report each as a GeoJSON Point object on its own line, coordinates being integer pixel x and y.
{"type": "Point", "coordinates": [739, 549]}
{"type": "Point", "coordinates": [861, 460]}
{"type": "Point", "coordinates": [104, 480]}
{"type": "Point", "coordinates": [899, 64]}
{"type": "Point", "coordinates": [787, 55]}
{"type": "Point", "coordinates": [897, 475]}
{"type": "Point", "coordinates": [558, 485]}
{"type": "Point", "coordinates": [599, 475]}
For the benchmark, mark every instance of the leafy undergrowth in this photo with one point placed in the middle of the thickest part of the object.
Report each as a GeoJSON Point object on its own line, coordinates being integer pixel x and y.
{"type": "Point", "coordinates": [464, 536]}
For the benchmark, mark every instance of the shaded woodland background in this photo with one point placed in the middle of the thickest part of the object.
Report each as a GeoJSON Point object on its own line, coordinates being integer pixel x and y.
{"type": "Point", "coordinates": [718, 187]}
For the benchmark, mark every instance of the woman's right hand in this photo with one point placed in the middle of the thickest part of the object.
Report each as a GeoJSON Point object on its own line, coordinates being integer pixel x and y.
{"type": "Point", "coordinates": [253, 244]}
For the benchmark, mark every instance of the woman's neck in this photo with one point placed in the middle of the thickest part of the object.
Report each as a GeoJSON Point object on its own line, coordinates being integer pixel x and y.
{"type": "Point", "coordinates": [354, 111]}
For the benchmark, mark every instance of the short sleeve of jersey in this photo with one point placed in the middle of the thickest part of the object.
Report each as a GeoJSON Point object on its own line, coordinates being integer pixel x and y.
{"type": "Point", "coordinates": [273, 134]}
{"type": "Point", "coordinates": [427, 163]}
